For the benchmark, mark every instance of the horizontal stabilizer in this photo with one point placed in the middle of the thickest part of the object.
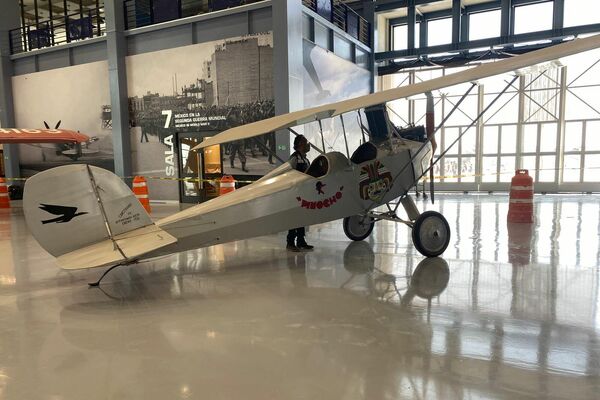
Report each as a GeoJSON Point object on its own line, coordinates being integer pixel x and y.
{"type": "Point", "coordinates": [470, 75]}
{"type": "Point", "coordinates": [126, 247]}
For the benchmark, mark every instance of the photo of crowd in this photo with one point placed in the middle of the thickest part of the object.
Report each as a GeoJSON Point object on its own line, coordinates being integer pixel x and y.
{"type": "Point", "coordinates": [232, 86]}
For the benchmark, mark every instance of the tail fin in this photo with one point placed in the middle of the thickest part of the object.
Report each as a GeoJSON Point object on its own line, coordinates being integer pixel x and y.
{"type": "Point", "coordinates": [77, 211]}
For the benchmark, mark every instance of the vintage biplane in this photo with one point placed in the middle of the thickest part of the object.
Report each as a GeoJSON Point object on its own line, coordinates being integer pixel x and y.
{"type": "Point", "coordinates": [87, 217]}
{"type": "Point", "coordinates": [66, 142]}
{"type": "Point", "coordinates": [29, 136]}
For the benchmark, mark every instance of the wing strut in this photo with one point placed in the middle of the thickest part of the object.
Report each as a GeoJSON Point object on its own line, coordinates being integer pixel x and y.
{"type": "Point", "coordinates": [322, 137]}
{"type": "Point", "coordinates": [345, 137]}
{"type": "Point", "coordinates": [103, 211]}
{"type": "Point", "coordinates": [264, 147]}
{"type": "Point", "coordinates": [362, 127]}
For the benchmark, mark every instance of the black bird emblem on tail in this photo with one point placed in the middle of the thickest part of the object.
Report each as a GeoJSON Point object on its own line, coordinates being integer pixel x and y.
{"type": "Point", "coordinates": [66, 213]}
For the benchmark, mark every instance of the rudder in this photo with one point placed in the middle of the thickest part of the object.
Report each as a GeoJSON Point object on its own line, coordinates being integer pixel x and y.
{"type": "Point", "coordinates": [74, 206]}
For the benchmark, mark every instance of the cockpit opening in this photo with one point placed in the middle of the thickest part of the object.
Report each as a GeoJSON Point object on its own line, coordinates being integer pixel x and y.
{"type": "Point", "coordinates": [365, 152]}
{"type": "Point", "coordinates": [319, 167]}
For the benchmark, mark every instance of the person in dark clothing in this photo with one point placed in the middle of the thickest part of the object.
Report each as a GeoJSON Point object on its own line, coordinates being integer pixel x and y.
{"type": "Point", "coordinates": [270, 144]}
{"type": "Point", "coordinates": [144, 136]}
{"type": "Point", "coordinates": [295, 237]}
{"type": "Point", "coordinates": [238, 148]}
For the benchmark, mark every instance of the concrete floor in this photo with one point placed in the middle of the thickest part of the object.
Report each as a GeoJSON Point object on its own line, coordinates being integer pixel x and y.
{"type": "Point", "coordinates": [512, 312]}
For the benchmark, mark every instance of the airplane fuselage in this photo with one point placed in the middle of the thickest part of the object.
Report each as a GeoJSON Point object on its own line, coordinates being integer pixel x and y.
{"type": "Point", "coordinates": [286, 198]}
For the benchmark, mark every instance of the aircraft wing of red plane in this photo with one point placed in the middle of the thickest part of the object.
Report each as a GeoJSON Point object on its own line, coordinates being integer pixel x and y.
{"type": "Point", "coordinates": [14, 135]}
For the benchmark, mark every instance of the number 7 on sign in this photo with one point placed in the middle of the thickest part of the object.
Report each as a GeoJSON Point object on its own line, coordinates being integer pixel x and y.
{"type": "Point", "coordinates": [169, 114]}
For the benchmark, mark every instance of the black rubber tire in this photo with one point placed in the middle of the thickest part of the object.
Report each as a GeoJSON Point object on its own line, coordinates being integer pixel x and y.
{"type": "Point", "coordinates": [443, 227]}
{"type": "Point", "coordinates": [353, 235]}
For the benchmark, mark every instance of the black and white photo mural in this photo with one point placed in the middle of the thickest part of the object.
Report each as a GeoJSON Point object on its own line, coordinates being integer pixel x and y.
{"type": "Point", "coordinates": [177, 97]}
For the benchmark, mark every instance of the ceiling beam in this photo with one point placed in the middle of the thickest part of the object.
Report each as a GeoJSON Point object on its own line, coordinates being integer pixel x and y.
{"type": "Point", "coordinates": [388, 5]}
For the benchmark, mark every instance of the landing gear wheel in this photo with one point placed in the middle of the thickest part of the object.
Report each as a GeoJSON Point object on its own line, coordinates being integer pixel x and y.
{"type": "Point", "coordinates": [358, 227]}
{"type": "Point", "coordinates": [431, 234]}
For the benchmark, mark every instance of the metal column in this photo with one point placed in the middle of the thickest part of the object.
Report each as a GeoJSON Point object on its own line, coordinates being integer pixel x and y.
{"type": "Point", "coordinates": [371, 17]}
{"type": "Point", "coordinates": [561, 128]}
{"type": "Point", "coordinates": [116, 50]}
{"type": "Point", "coordinates": [288, 67]}
{"type": "Point", "coordinates": [9, 19]}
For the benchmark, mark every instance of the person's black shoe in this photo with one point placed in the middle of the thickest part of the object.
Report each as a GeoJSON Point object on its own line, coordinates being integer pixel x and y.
{"type": "Point", "coordinates": [305, 247]}
{"type": "Point", "coordinates": [244, 167]}
{"type": "Point", "coordinates": [292, 247]}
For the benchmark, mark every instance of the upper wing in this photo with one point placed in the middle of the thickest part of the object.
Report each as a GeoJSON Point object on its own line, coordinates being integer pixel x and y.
{"type": "Point", "coordinates": [14, 135]}
{"type": "Point", "coordinates": [335, 109]}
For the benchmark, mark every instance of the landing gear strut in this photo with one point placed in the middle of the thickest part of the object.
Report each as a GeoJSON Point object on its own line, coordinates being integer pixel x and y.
{"type": "Point", "coordinates": [430, 230]}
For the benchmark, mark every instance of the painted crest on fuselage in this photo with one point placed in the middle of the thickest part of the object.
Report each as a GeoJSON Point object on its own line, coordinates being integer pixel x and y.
{"type": "Point", "coordinates": [375, 181]}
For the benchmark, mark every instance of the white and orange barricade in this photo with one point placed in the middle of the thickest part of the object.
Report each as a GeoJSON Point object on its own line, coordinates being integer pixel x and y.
{"type": "Point", "coordinates": [140, 189]}
{"type": "Point", "coordinates": [4, 199]}
{"type": "Point", "coordinates": [226, 185]}
{"type": "Point", "coordinates": [520, 208]}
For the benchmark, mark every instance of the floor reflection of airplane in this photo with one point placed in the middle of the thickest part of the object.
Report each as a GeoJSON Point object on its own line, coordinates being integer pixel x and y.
{"type": "Point", "coordinates": [429, 279]}
{"type": "Point", "coordinates": [380, 172]}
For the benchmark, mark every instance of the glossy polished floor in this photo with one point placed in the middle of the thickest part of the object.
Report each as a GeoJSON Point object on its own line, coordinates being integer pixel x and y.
{"type": "Point", "coordinates": [509, 312]}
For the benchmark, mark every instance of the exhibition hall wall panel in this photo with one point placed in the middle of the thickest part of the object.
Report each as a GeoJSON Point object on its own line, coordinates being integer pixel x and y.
{"type": "Point", "coordinates": [179, 96]}
{"type": "Point", "coordinates": [329, 78]}
{"type": "Point", "coordinates": [77, 96]}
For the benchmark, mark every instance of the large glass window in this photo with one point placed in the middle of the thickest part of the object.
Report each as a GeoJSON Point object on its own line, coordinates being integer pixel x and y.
{"type": "Point", "coordinates": [484, 25]}
{"type": "Point", "coordinates": [592, 136]}
{"type": "Point", "coordinates": [533, 17]}
{"type": "Point", "coordinates": [592, 168]}
{"type": "Point", "coordinates": [561, 155]}
{"type": "Point", "coordinates": [439, 31]}
{"type": "Point", "coordinates": [581, 12]}
{"type": "Point", "coordinates": [400, 37]}
{"type": "Point", "coordinates": [573, 151]}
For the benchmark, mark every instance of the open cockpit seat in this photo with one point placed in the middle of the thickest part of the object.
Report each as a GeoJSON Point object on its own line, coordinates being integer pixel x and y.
{"type": "Point", "coordinates": [319, 167]}
{"type": "Point", "coordinates": [365, 152]}
{"type": "Point", "coordinates": [327, 163]}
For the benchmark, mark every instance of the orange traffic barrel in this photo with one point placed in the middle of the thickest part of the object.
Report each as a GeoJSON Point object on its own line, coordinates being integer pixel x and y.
{"type": "Point", "coordinates": [4, 199]}
{"type": "Point", "coordinates": [140, 189]}
{"type": "Point", "coordinates": [226, 185]}
{"type": "Point", "coordinates": [520, 208]}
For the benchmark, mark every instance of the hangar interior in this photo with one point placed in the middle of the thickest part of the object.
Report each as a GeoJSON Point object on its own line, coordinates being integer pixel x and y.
{"type": "Point", "coordinates": [509, 309]}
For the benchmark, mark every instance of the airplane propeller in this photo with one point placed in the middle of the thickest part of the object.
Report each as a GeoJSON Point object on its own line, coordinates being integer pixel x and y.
{"type": "Point", "coordinates": [56, 127]}
{"type": "Point", "coordinates": [430, 129]}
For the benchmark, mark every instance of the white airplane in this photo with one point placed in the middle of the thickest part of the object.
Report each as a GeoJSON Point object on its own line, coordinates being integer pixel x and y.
{"type": "Point", "coordinates": [87, 217]}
